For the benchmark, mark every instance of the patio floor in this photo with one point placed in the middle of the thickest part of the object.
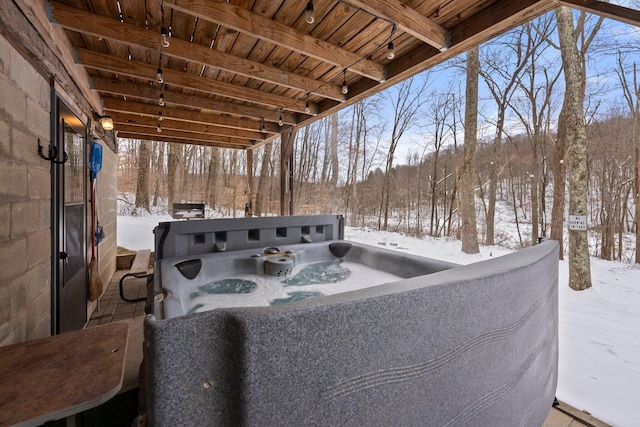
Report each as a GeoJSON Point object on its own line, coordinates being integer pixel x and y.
{"type": "Point", "coordinates": [113, 309]}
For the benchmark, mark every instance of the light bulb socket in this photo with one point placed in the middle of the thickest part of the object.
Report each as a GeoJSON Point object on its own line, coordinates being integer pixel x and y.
{"type": "Point", "coordinates": [159, 77]}
{"type": "Point", "coordinates": [308, 12]}
{"type": "Point", "coordinates": [391, 53]}
{"type": "Point", "coordinates": [160, 118]}
{"type": "Point", "coordinates": [161, 101]}
{"type": "Point", "coordinates": [164, 35]}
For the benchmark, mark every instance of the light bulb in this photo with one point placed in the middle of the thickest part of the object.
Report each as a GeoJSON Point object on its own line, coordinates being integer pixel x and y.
{"type": "Point", "coordinates": [159, 78]}
{"type": "Point", "coordinates": [106, 122]}
{"type": "Point", "coordinates": [159, 128]}
{"type": "Point", "coordinates": [391, 52]}
{"type": "Point", "coordinates": [164, 35]}
{"type": "Point", "coordinates": [262, 128]}
{"type": "Point", "coordinates": [307, 109]}
{"type": "Point", "coordinates": [160, 116]}
{"type": "Point", "coordinates": [309, 17]}
{"type": "Point", "coordinates": [161, 100]}
{"type": "Point", "coordinates": [345, 88]}
{"type": "Point", "coordinates": [280, 122]}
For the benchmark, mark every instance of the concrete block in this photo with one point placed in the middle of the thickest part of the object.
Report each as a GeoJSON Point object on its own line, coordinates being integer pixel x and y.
{"type": "Point", "coordinates": [39, 114]}
{"type": "Point", "coordinates": [5, 309]}
{"type": "Point", "coordinates": [24, 147]}
{"type": "Point", "coordinates": [24, 75]}
{"type": "Point", "coordinates": [18, 297]}
{"type": "Point", "coordinates": [38, 183]}
{"type": "Point", "coordinates": [41, 330]}
{"type": "Point", "coordinates": [37, 281]}
{"type": "Point", "coordinates": [13, 101]}
{"type": "Point", "coordinates": [13, 259]}
{"type": "Point", "coordinates": [38, 248]}
{"type": "Point", "coordinates": [5, 49]}
{"type": "Point", "coordinates": [13, 177]}
{"type": "Point", "coordinates": [5, 138]}
{"type": "Point", "coordinates": [25, 218]}
{"type": "Point", "coordinates": [37, 312]}
{"type": "Point", "coordinates": [5, 221]}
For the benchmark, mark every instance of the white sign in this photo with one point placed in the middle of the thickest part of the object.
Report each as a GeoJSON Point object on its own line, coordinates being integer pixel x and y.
{"type": "Point", "coordinates": [577, 222]}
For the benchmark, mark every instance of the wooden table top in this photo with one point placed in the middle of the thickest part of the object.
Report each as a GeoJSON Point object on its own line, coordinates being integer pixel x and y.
{"type": "Point", "coordinates": [55, 377]}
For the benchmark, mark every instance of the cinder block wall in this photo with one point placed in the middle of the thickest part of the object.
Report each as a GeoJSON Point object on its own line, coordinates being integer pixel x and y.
{"type": "Point", "coordinates": [25, 188]}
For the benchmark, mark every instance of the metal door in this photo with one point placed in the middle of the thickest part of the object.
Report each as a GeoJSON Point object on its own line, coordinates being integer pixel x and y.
{"type": "Point", "coordinates": [70, 225]}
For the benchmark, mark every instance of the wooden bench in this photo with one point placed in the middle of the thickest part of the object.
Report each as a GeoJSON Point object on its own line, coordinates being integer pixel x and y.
{"type": "Point", "coordinates": [139, 269]}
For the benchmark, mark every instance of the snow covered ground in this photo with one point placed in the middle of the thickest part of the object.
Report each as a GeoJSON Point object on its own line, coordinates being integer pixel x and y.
{"type": "Point", "coordinates": [599, 327]}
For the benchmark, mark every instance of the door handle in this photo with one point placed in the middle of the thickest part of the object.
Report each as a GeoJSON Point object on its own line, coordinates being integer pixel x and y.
{"type": "Point", "coordinates": [65, 257]}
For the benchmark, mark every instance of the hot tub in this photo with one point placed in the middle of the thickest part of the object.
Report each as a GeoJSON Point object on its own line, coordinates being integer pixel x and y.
{"type": "Point", "coordinates": [434, 344]}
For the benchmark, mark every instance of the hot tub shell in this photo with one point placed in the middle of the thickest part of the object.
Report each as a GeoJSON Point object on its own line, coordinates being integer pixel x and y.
{"type": "Point", "coordinates": [454, 345]}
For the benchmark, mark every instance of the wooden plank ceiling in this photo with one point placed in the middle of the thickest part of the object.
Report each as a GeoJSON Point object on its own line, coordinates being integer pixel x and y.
{"type": "Point", "coordinates": [237, 73]}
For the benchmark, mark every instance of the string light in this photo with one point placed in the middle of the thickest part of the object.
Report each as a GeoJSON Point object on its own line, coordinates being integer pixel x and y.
{"type": "Point", "coordinates": [262, 128]}
{"type": "Point", "coordinates": [307, 109]}
{"type": "Point", "coordinates": [161, 100]}
{"type": "Point", "coordinates": [164, 35]}
{"type": "Point", "coordinates": [345, 88]}
{"type": "Point", "coordinates": [280, 122]}
{"type": "Point", "coordinates": [159, 128]}
{"type": "Point", "coordinates": [391, 53]}
{"type": "Point", "coordinates": [308, 12]}
{"type": "Point", "coordinates": [160, 116]}
{"type": "Point", "coordinates": [159, 77]}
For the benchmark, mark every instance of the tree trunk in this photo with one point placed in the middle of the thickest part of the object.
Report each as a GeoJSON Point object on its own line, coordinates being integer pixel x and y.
{"type": "Point", "coordinates": [575, 128]}
{"type": "Point", "coordinates": [262, 183]}
{"type": "Point", "coordinates": [173, 176]}
{"type": "Point", "coordinates": [559, 183]}
{"type": "Point", "coordinates": [142, 186]}
{"type": "Point", "coordinates": [468, 232]}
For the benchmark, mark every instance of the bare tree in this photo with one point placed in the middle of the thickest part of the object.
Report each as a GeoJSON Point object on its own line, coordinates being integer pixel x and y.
{"type": "Point", "coordinates": [631, 91]}
{"type": "Point", "coordinates": [405, 102]}
{"type": "Point", "coordinates": [142, 187]}
{"type": "Point", "coordinates": [262, 192]}
{"type": "Point", "coordinates": [574, 131]}
{"type": "Point", "coordinates": [469, 232]}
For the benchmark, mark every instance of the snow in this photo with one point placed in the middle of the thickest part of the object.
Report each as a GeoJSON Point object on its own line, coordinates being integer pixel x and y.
{"type": "Point", "coordinates": [599, 328]}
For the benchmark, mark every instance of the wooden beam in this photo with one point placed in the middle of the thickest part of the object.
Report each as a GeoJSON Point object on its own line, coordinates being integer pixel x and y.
{"type": "Point", "coordinates": [139, 108]}
{"type": "Point", "coordinates": [258, 26]}
{"type": "Point", "coordinates": [607, 10]}
{"type": "Point", "coordinates": [158, 136]}
{"type": "Point", "coordinates": [100, 26]}
{"type": "Point", "coordinates": [407, 20]}
{"type": "Point", "coordinates": [167, 123]}
{"type": "Point", "coordinates": [123, 66]}
{"type": "Point", "coordinates": [181, 134]}
{"type": "Point", "coordinates": [152, 93]}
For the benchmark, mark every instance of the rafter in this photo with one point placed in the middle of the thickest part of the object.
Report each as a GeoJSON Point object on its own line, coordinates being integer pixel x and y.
{"type": "Point", "coordinates": [607, 10]}
{"type": "Point", "coordinates": [152, 93]}
{"type": "Point", "coordinates": [182, 134]}
{"type": "Point", "coordinates": [255, 25]}
{"type": "Point", "coordinates": [100, 26]}
{"type": "Point", "coordinates": [139, 108]}
{"type": "Point", "coordinates": [407, 20]}
{"type": "Point", "coordinates": [148, 121]}
{"type": "Point", "coordinates": [158, 136]}
{"type": "Point", "coordinates": [123, 66]}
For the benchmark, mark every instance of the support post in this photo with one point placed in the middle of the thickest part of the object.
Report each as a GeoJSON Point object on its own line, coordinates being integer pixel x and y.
{"type": "Point", "coordinates": [248, 207]}
{"type": "Point", "coordinates": [286, 171]}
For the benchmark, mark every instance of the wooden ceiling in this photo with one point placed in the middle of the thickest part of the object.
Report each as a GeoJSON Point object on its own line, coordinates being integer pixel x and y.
{"type": "Point", "coordinates": [237, 73]}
